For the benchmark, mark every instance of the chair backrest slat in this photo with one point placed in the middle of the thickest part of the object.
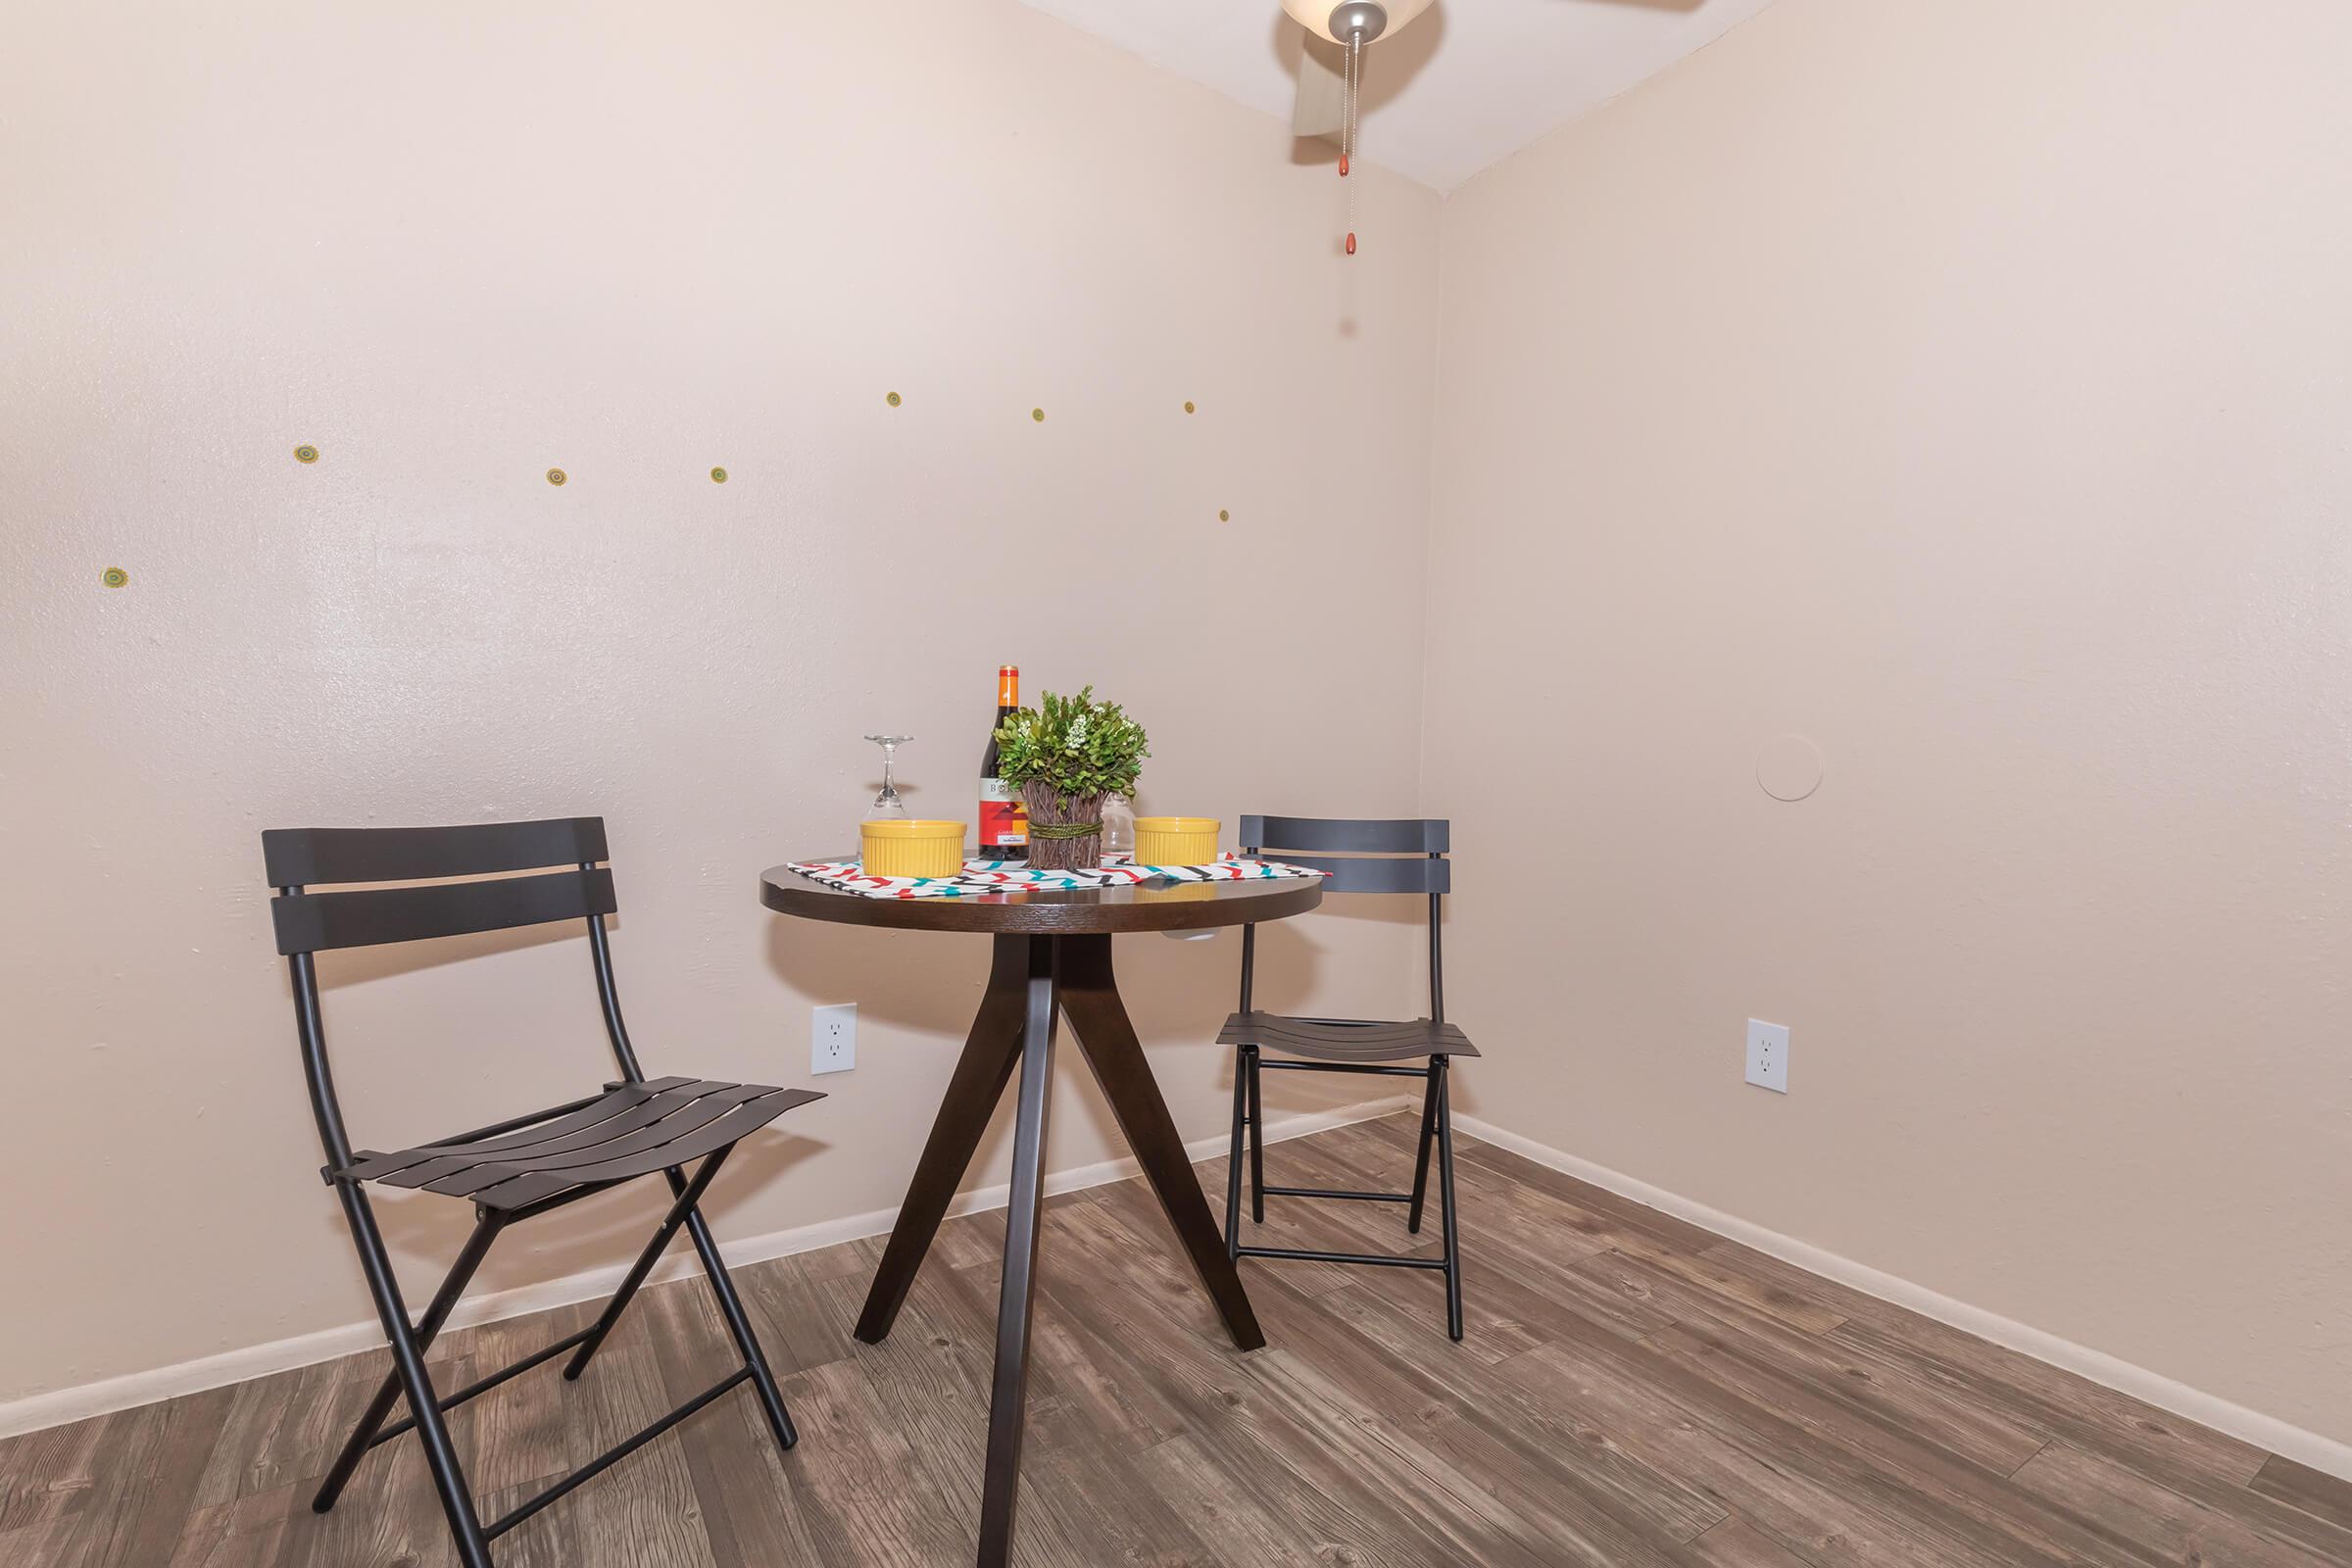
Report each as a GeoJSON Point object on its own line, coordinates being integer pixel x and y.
{"type": "Point", "coordinates": [1341, 875]}
{"type": "Point", "coordinates": [299, 856]}
{"type": "Point", "coordinates": [1324, 835]}
{"type": "Point", "coordinates": [312, 922]}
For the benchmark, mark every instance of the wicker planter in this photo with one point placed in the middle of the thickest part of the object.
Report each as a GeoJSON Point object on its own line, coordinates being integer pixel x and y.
{"type": "Point", "coordinates": [1054, 844]}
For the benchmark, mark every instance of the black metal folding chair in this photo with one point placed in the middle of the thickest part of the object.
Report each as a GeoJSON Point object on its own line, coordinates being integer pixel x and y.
{"type": "Point", "coordinates": [515, 1169]}
{"type": "Point", "coordinates": [1349, 852]}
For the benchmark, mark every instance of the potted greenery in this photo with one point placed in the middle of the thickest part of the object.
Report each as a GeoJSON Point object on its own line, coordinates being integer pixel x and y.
{"type": "Point", "coordinates": [1064, 757]}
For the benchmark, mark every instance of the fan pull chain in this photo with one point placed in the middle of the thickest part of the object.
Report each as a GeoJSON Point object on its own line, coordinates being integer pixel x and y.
{"type": "Point", "coordinates": [1350, 91]}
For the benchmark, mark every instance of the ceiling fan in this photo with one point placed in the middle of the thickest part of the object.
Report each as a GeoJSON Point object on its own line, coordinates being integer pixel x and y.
{"type": "Point", "coordinates": [1330, 90]}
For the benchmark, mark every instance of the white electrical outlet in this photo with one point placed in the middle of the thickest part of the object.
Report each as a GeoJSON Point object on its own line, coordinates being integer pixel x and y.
{"type": "Point", "coordinates": [833, 1037]}
{"type": "Point", "coordinates": [1768, 1055]}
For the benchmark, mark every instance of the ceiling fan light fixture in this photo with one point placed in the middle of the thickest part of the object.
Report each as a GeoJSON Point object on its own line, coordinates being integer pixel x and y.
{"type": "Point", "coordinates": [1338, 24]}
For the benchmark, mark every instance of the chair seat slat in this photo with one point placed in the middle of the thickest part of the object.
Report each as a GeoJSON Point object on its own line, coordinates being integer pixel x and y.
{"type": "Point", "coordinates": [747, 1117]}
{"type": "Point", "coordinates": [369, 1165]}
{"type": "Point", "coordinates": [458, 1171]}
{"type": "Point", "coordinates": [614, 1101]}
{"type": "Point", "coordinates": [695, 1112]}
{"type": "Point", "coordinates": [1346, 1042]}
{"type": "Point", "coordinates": [645, 1111]}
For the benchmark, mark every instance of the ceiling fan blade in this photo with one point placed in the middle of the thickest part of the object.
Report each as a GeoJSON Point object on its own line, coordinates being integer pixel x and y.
{"type": "Point", "coordinates": [1321, 88]}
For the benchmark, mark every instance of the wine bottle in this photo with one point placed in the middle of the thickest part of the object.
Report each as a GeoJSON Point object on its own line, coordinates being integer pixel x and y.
{"type": "Point", "coordinates": [1004, 816]}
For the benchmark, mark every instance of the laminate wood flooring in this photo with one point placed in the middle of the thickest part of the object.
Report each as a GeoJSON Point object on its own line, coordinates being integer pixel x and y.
{"type": "Point", "coordinates": [1633, 1392]}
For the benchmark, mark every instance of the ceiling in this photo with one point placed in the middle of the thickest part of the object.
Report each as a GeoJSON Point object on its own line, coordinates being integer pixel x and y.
{"type": "Point", "coordinates": [1468, 83]}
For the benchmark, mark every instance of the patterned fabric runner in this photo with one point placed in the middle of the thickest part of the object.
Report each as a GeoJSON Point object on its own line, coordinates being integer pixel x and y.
{"type": "Point", "coordinates": [1011, 876]}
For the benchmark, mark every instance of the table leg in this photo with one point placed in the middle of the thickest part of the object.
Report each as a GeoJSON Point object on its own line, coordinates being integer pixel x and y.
{"type": "Point", "coordinates": [1032, 980]}
{"type": "Point", "coordinates": [1000, 1490]}
{"type": "Point", "coordinates": [1090, 995]}
{"type": "Point", "coordinates": [971, 1099]}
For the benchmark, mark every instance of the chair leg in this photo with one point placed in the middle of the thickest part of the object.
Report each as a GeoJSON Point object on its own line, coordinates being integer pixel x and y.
{"type": "Point", "coordinates": [1232, 1153]}
{"type": "Point", "coordinates": [1446, 1208]}
{"type": "Point", "coordinates": [1257, 1142]}
{"type": "Point", "coordinates": [407, 1358]}
{"type": "Point", "coordinates": [1429, 1130]}
{"type": "Point", "coordinates": [662, 1236]}
{"type": "Point", "coordinates": [363, 1437]}
{"type": "Point", "coordinates": [730, 1307]}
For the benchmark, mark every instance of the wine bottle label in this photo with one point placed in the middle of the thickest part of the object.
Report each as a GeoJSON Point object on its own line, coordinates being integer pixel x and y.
{"type": "Point", "coordinates": [1004, 816]}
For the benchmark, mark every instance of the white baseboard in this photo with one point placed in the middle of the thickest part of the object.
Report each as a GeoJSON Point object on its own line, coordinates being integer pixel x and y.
{"type": "Point", "coordinates": [55, 1408]}
{"type": "Point", "coordinates": [2194, 1405]}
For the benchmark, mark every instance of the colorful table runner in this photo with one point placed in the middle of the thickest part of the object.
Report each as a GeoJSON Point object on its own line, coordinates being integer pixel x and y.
{"type": "Point", "coordinates": [1012, 877]}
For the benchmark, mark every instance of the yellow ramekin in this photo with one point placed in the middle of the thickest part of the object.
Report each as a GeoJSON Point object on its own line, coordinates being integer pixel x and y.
{"type": "Point", "coordinates": [911, 846]}
{"type": "Point", "coordinates": [1175, 840]}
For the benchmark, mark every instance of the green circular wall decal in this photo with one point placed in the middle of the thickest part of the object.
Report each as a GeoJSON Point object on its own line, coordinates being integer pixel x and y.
{"type": "Point", "coordinates": [892, 400]}
{"type": "Point", "coordinates": [306, 453]}
{"type": "Point", "coordinates": [1223, 515]}
{"type": "Point", "coordinates": [718, 477]}
{"type": "Point", "coordinates": [1039, 414]}
{"type": "Point", "coordinates": [114, 576]}
{"type": "Point", "coordinates": [556, 477]}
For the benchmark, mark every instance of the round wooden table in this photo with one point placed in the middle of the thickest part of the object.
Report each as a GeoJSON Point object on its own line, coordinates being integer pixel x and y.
{"type": "Point", "coordinates": [1052, 958]}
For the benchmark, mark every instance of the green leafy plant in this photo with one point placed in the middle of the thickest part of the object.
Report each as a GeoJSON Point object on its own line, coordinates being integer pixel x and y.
{"type": "Point", "coordinates": [1073, 745]}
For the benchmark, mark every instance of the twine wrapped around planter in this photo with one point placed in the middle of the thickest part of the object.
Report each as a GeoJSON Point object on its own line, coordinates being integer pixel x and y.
{"type": "Point", "coordinates": [1065, 831]}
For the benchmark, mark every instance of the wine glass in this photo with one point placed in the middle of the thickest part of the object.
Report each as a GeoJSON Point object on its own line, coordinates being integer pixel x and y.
{"type": "Point", "coordinates": [887, 803]}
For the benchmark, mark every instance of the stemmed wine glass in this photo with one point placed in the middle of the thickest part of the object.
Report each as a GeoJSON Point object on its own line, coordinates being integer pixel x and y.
{"type": "Point", "coordinates": [887, 803]}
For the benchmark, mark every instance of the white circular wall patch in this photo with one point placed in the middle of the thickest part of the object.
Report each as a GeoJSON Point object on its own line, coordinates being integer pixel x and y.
{"type": "Point", "coordinates": [1790, 768]}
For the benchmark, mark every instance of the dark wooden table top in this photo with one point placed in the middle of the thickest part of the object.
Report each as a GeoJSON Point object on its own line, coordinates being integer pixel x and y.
{"type": "Point", "coordinates": [1074, 911]}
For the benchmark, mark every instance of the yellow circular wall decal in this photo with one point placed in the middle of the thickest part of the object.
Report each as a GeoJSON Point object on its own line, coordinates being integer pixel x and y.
{"type": "Point", "coordinates": [1039, 414]}
{"type": "Point", "coordinates": [556, 477]}
{"type": "Point", "coordinates": [306, 453]}
{"type": "Point", "coordinates": [718, 477]}
{"type": "Point", "coordinates": [892, 400]}
{"type": "Point", "coordinates": [1188, 405]}
{"type": "Point", "coordinates": [114, 576]}
{"type": "Point", "coordinates": [1223, 515]}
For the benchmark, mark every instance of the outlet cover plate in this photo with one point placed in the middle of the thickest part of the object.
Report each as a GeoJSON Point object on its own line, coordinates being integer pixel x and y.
{"type": "Point", "coordinates": [1768, 1055]}
{"type": "Point", "coordinates": [833, 1037]}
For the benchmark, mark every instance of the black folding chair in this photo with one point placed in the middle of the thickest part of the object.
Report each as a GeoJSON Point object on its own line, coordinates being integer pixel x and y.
{"type": "Point", "coordinates": [1345, 849]}
{"type": "Point", "coordinates": [515, 1169]}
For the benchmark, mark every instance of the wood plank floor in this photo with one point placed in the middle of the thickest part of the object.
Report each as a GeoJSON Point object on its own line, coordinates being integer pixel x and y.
{"type": "Point", "coordinates": [1633, 1392]}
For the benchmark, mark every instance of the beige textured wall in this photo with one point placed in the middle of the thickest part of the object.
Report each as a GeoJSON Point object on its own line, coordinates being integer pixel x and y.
{"type": "Point", "coordinates": [1963, 385]}
{"type": "Point", "coordinates": [455, 245]}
